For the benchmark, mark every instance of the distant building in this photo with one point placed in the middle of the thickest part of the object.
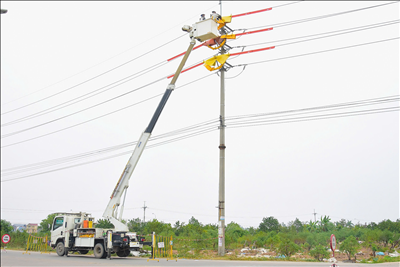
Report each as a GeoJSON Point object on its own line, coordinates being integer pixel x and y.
{"type": "Point", "coordinates": [32, 228]}
{"type": "Point", "coordinates": [19, 227]}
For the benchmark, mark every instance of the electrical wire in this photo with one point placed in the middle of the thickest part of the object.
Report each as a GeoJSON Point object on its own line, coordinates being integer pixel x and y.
{"type": "Point", "coordinates": [365, 27]}
{"type": "Point", "coordinates": [76, 112]}
{"type": "Point", "coordinates": [373, 101]}
{"type": "Point", "coordinates": [106, 113]}
{"type": "Point", "coordinates": [212, 125]}
{"type": "Point", "coordinates": [113, 156]}
{"type": "Point", "coordinates": [65, 90]}
{"type": "Point", "coordinates": [106, 59]}
{"type": "Point", "coordinates": [200, 126]}
{"type": "Point", "coordinates": [235, 66]}
{"type": "Point", "coordinates": [32, 115]}
{"type": "Point", "coordinates": [318, 52]}
{"type": "Point", "coordinates": [41, 112]}
{"type": "Point", "coordinates": [282, 24]}
{"type": "Point", "coordinates": [316, 117]}
{"type": "Point", "coordinates": [55, 107]}
{"type": "Point", "coordinates": [366, 102]}
{"type": "Point", "coordinates": [59, 106]}
{"type": "Point", "coordinates": [280, 121]}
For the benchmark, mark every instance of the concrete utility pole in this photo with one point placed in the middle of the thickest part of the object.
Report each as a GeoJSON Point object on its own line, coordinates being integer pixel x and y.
{"type": "Point", "coordinates": [315, 218]}
{"type": "Point", "coordinates": [144, 211]}
{"type": "Point", "coordinates": [221, 203]}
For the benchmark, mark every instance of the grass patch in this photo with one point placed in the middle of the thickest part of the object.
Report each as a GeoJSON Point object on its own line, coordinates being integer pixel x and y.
{"type": "Point", "coordinates": [381, 259]}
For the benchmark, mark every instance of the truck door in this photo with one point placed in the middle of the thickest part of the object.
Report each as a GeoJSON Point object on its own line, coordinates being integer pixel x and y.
{"type": "Point", "coordinates": [57, 229]}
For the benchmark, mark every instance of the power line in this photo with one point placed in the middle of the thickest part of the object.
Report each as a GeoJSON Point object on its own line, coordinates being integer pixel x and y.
{"type": "Point", "coordinates": [360, 28]}
{"type": "Point", "coordinates": [109, 157]}
{"type": "Point", "coordinates": [214, 72]}
{"type": "Point", "coordinates": [60, 106]}
{"type": "Point", "coordinates": [268, 122]}
{"type": "Point", "coordinates": [189, 131]}
{"type": "Point", "coordinates": [30, 116]}
{"type": "Point", "coordinates": [209, 126]}
{"type": "Point", "coordinates": [373, 101]}
{"type": "Point", "coordinates": [106, 113]}
{"type": "Point", "coordinates": [282, 24]}
{"type": "Point", "coordinates": [311, 118]}
{"type": "Point", "coordinates": [106, 59]}
{"type": "Point", "coordinates": [129, 61]}
{"type": "Point", "coordinates": [43, 112]}
{"type": "Point", "coordinates": [279, 24]}
{"type": "Point", "coordinates": [312, 53]}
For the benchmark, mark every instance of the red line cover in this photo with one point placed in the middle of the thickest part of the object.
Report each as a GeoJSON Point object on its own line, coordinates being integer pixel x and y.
{"type": "Point", "coordinates": [192, 67]}
{"type": "Point", "coordinates": [181, 54]}
{"type": "Point", "coordinates": [262, 30]}
{"type": "Point", "coordinates": [253, 12]}
{"type": "Point", "coordinates": [251, 51]}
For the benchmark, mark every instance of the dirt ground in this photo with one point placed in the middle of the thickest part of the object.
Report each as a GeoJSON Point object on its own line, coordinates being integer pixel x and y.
{"type": "Point", "coordinates": [363, 253]}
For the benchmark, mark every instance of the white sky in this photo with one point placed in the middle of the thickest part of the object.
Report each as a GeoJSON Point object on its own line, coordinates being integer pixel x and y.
{"type": "Point", "coordinates": [345, 167]}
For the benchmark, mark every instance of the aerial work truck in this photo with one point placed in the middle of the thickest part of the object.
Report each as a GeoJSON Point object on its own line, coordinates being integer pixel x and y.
{"type": "Point", "coordinates": [75, 232]}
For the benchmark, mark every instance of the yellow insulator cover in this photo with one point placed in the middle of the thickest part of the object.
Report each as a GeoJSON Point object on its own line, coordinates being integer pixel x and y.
{"type": "Point", "coordinates": [228, 36]}
{"type": "Point", "coordinates": [209, 63]}
{"type": "Point", "coordinates": [227, 19]}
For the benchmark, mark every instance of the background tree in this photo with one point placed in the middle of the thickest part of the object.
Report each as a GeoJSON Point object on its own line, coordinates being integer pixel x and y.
{"type": "Point", "coordinates": [324, 223]}
{"type": "Point", "coordinates": [311, 226]}
{"type": "Point", "coordinates": [269, 224]}
{"type": "Point", "coordinates": [319, 252]}
{"type": "Point", "coordinates": [136, 225]}
{"type": "Point", "coordinates": [104, 223]}
{"type": "Point", "coordinates": [287, 247]}
{"type": "Point", "coordinates": [349, 246]}
{"type": "Point", "coordinates": [6, 227]}
{"type": "Point", "coordinates": [44, 225]}
{"type": "Point", "coordinates": [298, 225]}
{"type": "Point", "coordinates": [179, 227]}
{"type": "Point", "coordinates": [158, 227]}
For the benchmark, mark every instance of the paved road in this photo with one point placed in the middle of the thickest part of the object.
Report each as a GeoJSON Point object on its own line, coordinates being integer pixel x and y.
{"type": "Point", "coordinates": [16, 258]}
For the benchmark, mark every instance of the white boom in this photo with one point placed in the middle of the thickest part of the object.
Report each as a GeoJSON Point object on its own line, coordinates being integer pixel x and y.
{"type": "Point", "coordinates": [111, 211]}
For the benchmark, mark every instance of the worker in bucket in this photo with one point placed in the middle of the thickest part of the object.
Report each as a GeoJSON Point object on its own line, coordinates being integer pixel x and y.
{"type": "Point", "coordinates": [215, 16]}
{"type": "Point", "coordinates": [202, 17]}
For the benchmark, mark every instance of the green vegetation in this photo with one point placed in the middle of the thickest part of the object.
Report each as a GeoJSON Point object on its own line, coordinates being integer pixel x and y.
{"type": "Point", "coordinates": [196, 240]}
{"type": "Point", "coordinates": [350, 246]}
{"type": "Point", "coordinates": [319, 252]}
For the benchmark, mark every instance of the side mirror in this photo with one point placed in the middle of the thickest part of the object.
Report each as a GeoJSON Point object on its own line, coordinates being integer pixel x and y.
{"type": "Point", "coordinates": [48, 226]}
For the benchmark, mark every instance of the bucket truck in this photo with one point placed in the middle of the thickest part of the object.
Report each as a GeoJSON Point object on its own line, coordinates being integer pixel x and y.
{"type": "Point", "coordinates": [76, 232]}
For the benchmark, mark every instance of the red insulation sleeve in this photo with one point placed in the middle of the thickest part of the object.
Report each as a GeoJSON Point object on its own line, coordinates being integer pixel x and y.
{"type": "Point", "coordinates": [253, 12]}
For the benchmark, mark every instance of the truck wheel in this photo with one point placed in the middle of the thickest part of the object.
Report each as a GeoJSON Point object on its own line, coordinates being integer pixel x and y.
{"type": "Point", "coordinates": [123, 253]}
{"type": "Point", "coordinates": [60, 249]}
{"type": "Point", "coordinates": [98, 251]}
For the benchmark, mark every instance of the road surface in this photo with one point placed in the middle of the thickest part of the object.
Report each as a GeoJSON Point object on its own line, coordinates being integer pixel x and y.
{"type": "Point", "coordinates": [16, 258]}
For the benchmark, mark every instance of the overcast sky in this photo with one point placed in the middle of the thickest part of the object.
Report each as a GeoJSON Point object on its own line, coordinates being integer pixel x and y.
{"type": "Point", "coordinates": [343, 167]}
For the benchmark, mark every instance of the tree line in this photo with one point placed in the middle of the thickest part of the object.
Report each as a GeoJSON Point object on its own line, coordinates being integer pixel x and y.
{"type": "Point", "coordinates": [286, 239]}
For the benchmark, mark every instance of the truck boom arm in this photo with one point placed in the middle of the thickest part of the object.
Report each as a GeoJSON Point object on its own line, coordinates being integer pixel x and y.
{"type": "Point", "coordinates": [111, 212]}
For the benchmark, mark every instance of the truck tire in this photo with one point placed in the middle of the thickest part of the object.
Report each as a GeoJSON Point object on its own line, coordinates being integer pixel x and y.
{"type": "Point", "coordinates": [123, 253]}
{"type": "Point", "coordinates": [99, 251]}
{"type": "Point", "coordinates": [60, 249]}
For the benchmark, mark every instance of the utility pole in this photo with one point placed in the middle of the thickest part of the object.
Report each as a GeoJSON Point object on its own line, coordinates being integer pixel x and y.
{"type": "Point", "coordinates": [221, 197]}
{"type": "Point", "coordinates": [144, 212]}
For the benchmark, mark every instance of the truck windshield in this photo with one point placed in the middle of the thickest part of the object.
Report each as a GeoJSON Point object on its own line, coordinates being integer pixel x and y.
{"type": "Point", "coordinates": [58, 222]}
